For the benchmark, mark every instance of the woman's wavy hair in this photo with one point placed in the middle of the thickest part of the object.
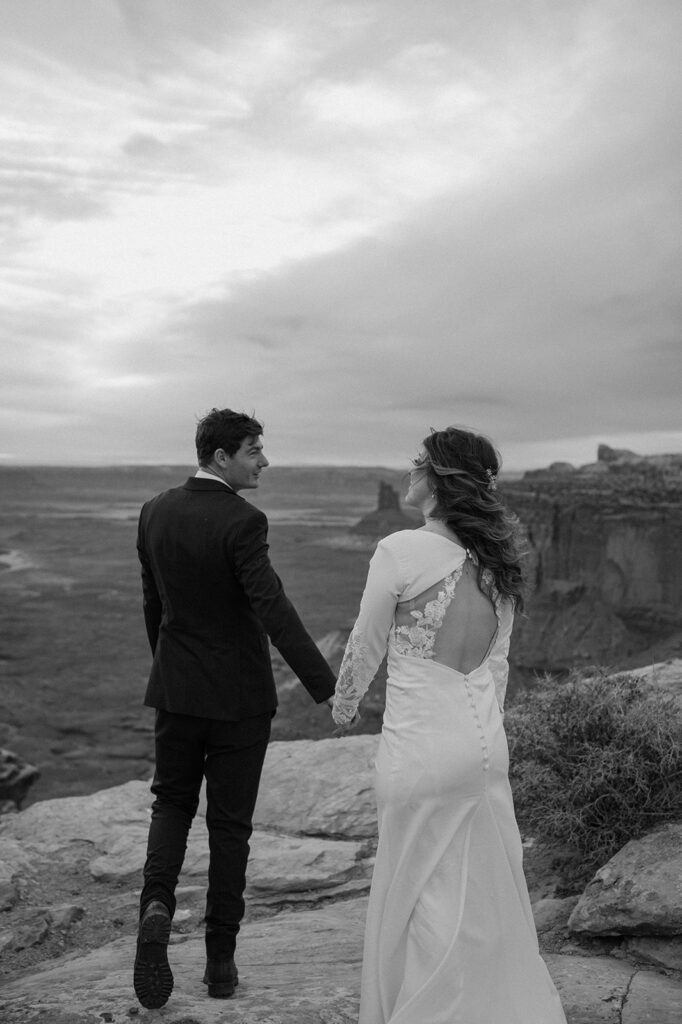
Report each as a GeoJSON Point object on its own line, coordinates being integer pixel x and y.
{"type": "Point", "coordinates": [462, 469]}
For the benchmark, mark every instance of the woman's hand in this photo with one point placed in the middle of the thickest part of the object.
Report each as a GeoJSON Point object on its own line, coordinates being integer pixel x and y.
{"type": "Point", "coordinates": [341, 730]}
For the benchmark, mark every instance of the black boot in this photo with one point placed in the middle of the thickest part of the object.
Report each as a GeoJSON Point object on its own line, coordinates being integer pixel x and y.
{"type": "Point", "coordinates": [152, 976]}
{"type": "Point", "coordinates": [221, 977]}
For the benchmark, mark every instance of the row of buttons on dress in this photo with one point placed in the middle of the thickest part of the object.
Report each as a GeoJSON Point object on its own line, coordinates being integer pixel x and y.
{"type": "Point", "coordinates": [484, 745]}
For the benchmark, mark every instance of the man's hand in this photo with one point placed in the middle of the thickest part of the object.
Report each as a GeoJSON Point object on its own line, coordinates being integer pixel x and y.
{"type": "Point", "coordinates": [341, 730]}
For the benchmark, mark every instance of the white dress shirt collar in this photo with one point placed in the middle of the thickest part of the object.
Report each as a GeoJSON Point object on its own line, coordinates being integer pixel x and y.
{"type": "Point", "coordinates": [204, 474]}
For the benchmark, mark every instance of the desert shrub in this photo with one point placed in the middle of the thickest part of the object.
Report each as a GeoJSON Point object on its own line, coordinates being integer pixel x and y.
{"type": "Point", "coordinates": [595, 762]}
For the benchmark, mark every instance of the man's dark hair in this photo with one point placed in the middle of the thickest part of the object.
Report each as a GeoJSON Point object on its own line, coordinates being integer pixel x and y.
{"type": "Point", "coordinates": [223, 428]}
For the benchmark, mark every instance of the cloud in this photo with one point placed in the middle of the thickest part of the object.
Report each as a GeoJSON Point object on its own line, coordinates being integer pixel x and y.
{"type": "Point", "coordinates": [362, 218]}
{"type": "Point", "coordinates": [546, 305]}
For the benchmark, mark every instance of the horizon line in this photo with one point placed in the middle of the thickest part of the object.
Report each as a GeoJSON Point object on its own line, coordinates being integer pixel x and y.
{"type": "Point", "coordinates": [188, 466]}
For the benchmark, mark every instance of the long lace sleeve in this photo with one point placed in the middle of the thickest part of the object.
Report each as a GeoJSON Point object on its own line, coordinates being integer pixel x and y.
{"type": "Point", "coordinates": [369, 637]}
{"type": "Point", "coordinates": [499, 665]}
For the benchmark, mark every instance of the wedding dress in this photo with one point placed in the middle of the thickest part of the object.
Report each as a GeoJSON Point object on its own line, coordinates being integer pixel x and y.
{"type": "Point", "coordinates": [450, 937]}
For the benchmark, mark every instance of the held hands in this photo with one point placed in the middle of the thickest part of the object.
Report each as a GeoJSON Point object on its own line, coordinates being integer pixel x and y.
{"type": "Point", "coordinates": [341, 730]}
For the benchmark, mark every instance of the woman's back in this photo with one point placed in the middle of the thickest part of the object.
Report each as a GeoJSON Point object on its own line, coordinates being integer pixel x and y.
{"type": "Point", "coordinates": [453, 621]}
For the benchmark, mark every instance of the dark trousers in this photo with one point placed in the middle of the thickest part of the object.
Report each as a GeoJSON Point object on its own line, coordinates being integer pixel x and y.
{"type": "Point", "coordinates": [230, 755]}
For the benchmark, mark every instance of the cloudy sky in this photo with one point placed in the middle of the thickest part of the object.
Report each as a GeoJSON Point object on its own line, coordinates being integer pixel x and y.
{"type": "Point", "coordinates": [357, 218]}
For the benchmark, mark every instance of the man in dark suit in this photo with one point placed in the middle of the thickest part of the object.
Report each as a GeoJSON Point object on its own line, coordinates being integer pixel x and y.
{"type": "Point", "coordinates": [211, 599]}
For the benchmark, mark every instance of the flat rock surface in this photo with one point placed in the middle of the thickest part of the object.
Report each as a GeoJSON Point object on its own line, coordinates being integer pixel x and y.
{"type": "Point", "coordinates": [115, 823]}
{"type": "Point", "coordinates": [277, 862]}
{"type": "Point", "coordinates": [51, 825]}
{"type": "Point", "coordinates": [296, 968]}
{"type": "Point", "coordinates": [652, 999]}
{"type": "Point", "coordinates": [604, 990]}
{"type": "Point", "coordinates": [299, 968]}
{"type": "Point", "coordinates": [320, 787]}
{"type": "Point", "coordinates": [592, 989]}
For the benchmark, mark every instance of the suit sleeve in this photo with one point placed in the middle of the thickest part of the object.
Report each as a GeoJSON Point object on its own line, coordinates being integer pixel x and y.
{"type": "Point", "coordinates": [151, 599]}
{"type": "Point", "coordinates": [265, 594]}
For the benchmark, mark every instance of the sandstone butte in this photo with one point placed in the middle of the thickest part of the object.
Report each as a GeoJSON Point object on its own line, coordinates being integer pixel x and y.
{"type": "Point", "coordinates": [70, 875]}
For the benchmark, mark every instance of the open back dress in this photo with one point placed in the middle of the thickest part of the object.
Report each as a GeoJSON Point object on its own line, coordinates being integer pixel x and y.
{"type": "Point", "coordinates": [450, 937]}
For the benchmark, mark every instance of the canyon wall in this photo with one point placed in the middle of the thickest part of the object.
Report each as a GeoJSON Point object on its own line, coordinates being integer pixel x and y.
{"type": "Point", "coordinates": [604, 562]}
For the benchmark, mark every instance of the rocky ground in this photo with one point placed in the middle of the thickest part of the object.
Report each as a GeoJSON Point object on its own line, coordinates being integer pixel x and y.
{"type": "Point", "coordinates": [69, 883]}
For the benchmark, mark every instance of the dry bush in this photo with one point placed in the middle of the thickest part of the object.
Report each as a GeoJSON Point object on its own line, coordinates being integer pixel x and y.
{"type": "Point", "coordinates": [595, 762]}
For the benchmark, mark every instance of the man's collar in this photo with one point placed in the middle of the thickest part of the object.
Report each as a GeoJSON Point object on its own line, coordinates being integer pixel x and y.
{"type": "Point", "coordinates": [205, 474]}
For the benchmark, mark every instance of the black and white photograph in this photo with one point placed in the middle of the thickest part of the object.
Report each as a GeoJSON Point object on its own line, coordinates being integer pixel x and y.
{"type": "Point", "coordinates": [340, 511]}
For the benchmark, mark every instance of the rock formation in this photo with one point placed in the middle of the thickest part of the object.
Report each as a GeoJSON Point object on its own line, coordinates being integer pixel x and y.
{"type": "Point", "coordinates": [16, 778]}
{"type": "Point", "coordinates": [639, 891]}
{"type": "Point", "coordinates": [70, 878]}
{"type": "Point", "coordinates": [388, 517]}
{"type": "Point", "coordinates": [605, 561]}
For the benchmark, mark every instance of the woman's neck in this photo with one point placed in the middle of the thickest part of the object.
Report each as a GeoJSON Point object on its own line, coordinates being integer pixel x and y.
{"type": "Point", "coordinates": [433, 525]}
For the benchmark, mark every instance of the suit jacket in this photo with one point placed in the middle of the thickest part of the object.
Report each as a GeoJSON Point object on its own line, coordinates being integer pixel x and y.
{"type": "Point", "coordinates": [210, 597]}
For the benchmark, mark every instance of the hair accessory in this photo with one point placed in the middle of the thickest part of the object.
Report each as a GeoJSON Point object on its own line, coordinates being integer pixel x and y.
{"type": "Point", "coordinates": [492, 479]}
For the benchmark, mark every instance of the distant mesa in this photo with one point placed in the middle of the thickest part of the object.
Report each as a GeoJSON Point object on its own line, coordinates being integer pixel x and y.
{"type": "Point", "coordinates": [607, 454]}
{"type": "Point", "coordinates": [611, 464]}
{"type": "Point", "coordinates": [387, 517]}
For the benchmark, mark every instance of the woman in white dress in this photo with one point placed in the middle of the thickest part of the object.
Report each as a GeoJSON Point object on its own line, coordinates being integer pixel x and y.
{"type": "Point", "coordinates": [450, 937]}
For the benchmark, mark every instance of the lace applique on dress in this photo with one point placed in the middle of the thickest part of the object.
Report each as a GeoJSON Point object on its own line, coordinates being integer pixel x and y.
{"type": "Point", "coordinates": [417, 641]}
{"type": "Point", "coordinates": [354, 678]}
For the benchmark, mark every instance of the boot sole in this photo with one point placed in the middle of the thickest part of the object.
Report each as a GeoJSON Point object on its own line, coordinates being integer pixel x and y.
{"type": "Point", "coordinates": [152, 976]}
{"type": "Point", "coordinates": [221, 989]}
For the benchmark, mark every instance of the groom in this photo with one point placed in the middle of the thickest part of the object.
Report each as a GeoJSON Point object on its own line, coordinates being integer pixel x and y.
{"type": "Point", "coordinates": [211, 599]}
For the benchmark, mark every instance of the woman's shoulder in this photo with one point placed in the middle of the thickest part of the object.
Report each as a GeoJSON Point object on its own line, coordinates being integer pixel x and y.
{"type": "Point", "coordinates": [401, 540]}
{"type": "Point", "coordinates": [422, 542]}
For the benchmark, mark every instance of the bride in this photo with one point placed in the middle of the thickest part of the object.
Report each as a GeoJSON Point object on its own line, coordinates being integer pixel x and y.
{"type": "Point", "coordinates": [450, 937]}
